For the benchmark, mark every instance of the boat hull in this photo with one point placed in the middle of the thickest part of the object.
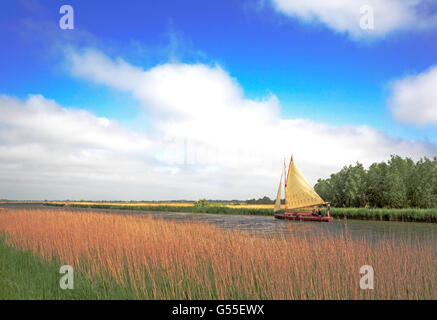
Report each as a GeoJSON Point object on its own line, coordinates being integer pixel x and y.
{"type": "Point", "coordinates": [303, 217]}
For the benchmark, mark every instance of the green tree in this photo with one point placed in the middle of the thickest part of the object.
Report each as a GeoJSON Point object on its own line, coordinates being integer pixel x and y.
{"type": "Point", "coordinates": [354, 186]}
{"type": "Point", "coordinates": [394, 193]}
{"type": "Point", "coordinates": [423, 184]}
{"type": "Point", "coordinates": [324, 189]}
{"type": "Point", "coordinates": [375, 184]}
{"type": "Point", "coordinates": [201, 203]}
{"type": "Point", "coordinates": [398, 183]}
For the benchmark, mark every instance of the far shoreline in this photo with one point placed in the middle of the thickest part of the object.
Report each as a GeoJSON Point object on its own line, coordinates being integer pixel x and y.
{"type": "Point", "coordinates": [378, 214]}
{"type": "Point", "coordinates": [372, 214]}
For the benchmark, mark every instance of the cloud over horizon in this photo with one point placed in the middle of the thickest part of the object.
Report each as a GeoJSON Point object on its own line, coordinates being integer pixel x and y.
{"type": "Point", "coordinates": [205, 139]}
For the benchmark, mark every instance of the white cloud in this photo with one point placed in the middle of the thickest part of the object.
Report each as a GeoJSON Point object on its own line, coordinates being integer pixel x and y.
{"type": "Point", "coordinates": [207, 139]}
{"type": "Point", "coordinates": [49, 151]}
{"type": "Point", "coordinates": [414, 98]}
{"type": "Point", "coordinates": [40, 120]}
{"type": "Point", "coordinates": [344, 15]}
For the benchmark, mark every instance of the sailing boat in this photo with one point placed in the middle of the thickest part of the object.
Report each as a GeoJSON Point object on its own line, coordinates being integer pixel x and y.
{"type": "Point", "coordinates": [299, 195]}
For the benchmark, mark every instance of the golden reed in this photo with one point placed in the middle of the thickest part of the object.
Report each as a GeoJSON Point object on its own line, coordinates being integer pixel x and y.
{"type": "Point", "coordinates": [166, 259]}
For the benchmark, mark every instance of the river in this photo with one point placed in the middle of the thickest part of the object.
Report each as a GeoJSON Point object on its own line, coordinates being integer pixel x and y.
{"type": "Point", "coordinates": [268, 225]}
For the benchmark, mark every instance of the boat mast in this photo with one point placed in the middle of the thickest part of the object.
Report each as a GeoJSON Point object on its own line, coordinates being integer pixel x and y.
{"type": "Point", "coordinates": [285, 185]}
{"type": "Point", "coordinates": [286, 181]}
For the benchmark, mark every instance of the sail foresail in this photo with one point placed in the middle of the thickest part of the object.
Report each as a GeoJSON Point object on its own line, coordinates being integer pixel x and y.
{"type": "Point", "coordinates": [278, 197]}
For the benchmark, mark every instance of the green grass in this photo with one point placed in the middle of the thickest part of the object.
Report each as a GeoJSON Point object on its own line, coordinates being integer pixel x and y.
{"type": "Point", "coordinates": [25, 276]}
{"type": "Point", "coordinates": [406, 215]}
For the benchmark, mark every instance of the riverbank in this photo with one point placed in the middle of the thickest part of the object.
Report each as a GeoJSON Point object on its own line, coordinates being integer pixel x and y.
{"type": "Point", "coordinates": [405, 215]}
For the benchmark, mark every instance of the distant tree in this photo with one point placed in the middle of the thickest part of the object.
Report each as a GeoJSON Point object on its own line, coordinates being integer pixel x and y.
{"type": "Point", "coordinates": [264, 200]}
{"type": "Point", "coordinates": [201, 203]}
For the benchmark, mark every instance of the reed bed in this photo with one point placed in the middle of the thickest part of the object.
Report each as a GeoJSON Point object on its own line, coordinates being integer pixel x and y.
{"type": "Point", "coordinates": [385, 214]}
{"type": "Point", "coordinates": [160, 259]}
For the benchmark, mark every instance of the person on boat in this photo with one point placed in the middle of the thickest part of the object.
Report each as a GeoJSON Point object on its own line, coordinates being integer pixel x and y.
{"type": "Point", "coordinates": [319, 213]}
{"type": "Point", "coordinates": [314, 213]}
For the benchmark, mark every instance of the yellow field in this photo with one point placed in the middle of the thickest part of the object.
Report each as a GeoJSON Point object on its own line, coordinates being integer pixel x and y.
{"type": "Point", "coordinates": [176, 204]}
{"type": "Point", "coordinates": [161, 259]}
{"type": "Point", "coordinates": [127, 204]}
{"type": "Point", "coordinates": [251, 206]}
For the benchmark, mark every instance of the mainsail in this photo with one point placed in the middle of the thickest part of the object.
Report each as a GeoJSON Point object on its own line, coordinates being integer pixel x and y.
{"type": "Point", "coordinates": [299, 193]}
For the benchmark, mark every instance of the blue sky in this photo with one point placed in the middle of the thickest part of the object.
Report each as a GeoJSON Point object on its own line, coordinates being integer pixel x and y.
{"type": "Point", "coordinates": [315, 71]}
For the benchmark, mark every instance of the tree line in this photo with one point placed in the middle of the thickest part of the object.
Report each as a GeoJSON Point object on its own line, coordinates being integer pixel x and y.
{"type": "Point", "coordinates": [264, 200]}
{"type": "Point", "coordinates": [397, 183]}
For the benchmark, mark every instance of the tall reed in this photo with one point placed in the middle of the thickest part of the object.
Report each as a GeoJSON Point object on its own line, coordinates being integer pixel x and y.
{"type": "Point", "coordinates": [161, 259]}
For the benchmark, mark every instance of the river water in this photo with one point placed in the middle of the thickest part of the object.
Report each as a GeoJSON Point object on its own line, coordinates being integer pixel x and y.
{"type": "Point", "coordinates": [268, 225]}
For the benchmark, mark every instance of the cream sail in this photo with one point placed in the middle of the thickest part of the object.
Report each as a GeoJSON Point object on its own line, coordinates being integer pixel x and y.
{"type": "Point", "coordinates": [298, 192]}
{"type": "Point", "coordinates": [278, 196]}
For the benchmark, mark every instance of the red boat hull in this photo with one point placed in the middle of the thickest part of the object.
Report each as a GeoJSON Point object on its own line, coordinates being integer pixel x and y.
{"type": "Point", "coordinates": [303, 217]}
